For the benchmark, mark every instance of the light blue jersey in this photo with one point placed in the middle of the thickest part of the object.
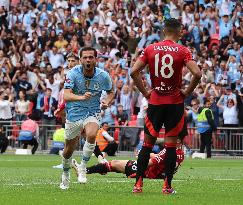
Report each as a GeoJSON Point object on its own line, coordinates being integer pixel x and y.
{"type": "Point", "coordinates": [79, 84]}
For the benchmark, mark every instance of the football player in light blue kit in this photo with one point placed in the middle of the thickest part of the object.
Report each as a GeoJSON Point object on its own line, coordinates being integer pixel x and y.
{"type": "Point", "coordinates": [82, 90]}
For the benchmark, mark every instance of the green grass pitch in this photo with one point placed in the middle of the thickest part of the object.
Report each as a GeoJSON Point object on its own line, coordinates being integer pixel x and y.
{"type": "Point", "coordinates": [32, 180]}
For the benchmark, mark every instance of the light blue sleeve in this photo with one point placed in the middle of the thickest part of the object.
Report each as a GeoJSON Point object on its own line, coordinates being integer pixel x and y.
{"type": "Point", "coordinates": [69, 81]}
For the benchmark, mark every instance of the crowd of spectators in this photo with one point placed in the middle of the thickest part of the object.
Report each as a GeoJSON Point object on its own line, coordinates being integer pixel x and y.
{"type": "Point", "coordinates": [36, 37]}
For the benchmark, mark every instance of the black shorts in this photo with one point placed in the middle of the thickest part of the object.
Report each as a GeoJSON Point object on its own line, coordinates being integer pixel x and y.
{"type": "Point", "coordinates": [131, 168]}
{"type": "Point", "coordinates": [172, 116]}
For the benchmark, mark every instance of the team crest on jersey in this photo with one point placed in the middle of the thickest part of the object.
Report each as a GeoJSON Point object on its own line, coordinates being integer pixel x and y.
{"type": "Point", "coordinates": [96, 86]}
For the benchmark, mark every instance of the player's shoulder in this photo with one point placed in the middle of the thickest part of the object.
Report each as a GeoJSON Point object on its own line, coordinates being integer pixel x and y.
{"type": "Point", "coordinates": [76, 69]}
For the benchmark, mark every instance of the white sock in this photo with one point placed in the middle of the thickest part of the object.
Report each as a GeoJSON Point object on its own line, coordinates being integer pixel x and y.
{"type": "Point", "coordinates": [88, 149]}
{"type": "Point", "coordinates": [66, 164]}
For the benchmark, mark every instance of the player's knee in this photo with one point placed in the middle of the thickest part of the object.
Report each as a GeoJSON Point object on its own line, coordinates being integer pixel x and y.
{"type": "Point", "coordinates": [90, 136]}
{"type": "Point", "coordinates": [67, 152]}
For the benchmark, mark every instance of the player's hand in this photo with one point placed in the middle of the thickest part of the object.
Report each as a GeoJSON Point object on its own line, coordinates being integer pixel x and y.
{"type": "Point", "coordinates": [86, 96]}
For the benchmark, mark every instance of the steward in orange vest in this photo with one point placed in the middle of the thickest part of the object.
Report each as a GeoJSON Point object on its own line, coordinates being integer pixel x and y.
{"type": "Point", "coordinates": [105, 142]}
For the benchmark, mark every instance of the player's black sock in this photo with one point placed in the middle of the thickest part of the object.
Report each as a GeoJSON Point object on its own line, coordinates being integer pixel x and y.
{"type": "Point", "coordinates": [98, 168]}
{"type": "Point", "coordinates": [97, 151]}
{"type": "Point", "coordinates": [142, 162]}
{"type": "Point", "coordinates": [170, 163]}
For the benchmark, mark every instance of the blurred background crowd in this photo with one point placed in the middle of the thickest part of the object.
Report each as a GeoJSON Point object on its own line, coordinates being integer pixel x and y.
{"type": "Point", "coordinates": [36, 37]}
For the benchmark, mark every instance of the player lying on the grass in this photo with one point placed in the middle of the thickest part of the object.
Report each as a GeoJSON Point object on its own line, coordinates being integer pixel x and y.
{"type": "Point", "coordinates": [155, 169]}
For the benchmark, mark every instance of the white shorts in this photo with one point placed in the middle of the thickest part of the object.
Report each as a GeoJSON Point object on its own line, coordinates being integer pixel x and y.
{"type": "Point", "coordinates": [72, 129]}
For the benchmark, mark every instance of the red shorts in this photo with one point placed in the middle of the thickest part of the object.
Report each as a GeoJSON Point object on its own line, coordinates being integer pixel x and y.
{"type": "Point", "coordinates": [171, 116]}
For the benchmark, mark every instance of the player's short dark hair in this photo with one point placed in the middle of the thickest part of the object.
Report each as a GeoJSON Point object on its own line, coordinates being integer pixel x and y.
{"type": "Point", "coordinates": [172, 24]}
{"type": "Point", "coordinates": [87, 49]}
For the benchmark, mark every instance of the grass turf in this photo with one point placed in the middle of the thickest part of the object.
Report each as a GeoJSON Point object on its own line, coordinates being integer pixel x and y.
{"type": "Point", "coordinates": [32, 180]}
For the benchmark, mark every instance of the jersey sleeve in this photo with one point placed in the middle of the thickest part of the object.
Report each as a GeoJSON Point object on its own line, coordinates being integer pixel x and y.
{"type": "Point", "coordinates": [144, 56]}
{"type": "Point", "coordinates": [187, 55]}
{"type": "Point", "coordinates": [107, 86]}
{"type": "Point", "coordinates": [69, 81]}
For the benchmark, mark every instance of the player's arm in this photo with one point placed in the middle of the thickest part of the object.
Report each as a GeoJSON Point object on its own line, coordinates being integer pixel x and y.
{"type": "Point", "coordinates": [152, 156]}
{"type": "Point", "coordinates": [69, 86]}
{"type": "Point", "coordinates": [137, 78]}
{"type": "Point", "coordinates": [70, 96]}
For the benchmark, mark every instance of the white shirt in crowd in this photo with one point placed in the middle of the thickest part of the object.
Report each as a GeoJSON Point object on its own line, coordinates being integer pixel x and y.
{"type": "Point", "coordinates": [23, 106]}
{"type": "Point", "coordinates": [126, 101]}
{"type": "Point", "coordinates": [187, 18]}
{"type": "Point", "coordinates": [143, 108]}
{"type": "Point", "coordinates": [32, 78]}
{"type": "Point", "coordinates": [56, 60]}
{"type": "Point", "coordinates": [29, 58]}
{"type": "Point", "coordinates": [174, 11]}
{"type": "Point", "coordinates": [230, 115]}
{"type": "Point", "coordinates": [113, 53]}
{"type": "Point", "coordinates": [5, 109]}
{"type": "Point", "coordinates": [55, 87]}
{"type": "Point", "coordinates": [5, 4]}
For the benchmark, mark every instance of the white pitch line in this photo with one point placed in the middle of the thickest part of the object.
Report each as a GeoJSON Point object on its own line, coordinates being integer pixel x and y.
{"type": "Point", "coordinates": [100, 181]}
{"type": "Point", "coordinates": [227, 179]}
{"type": "Point", "coordinates": [13, 160]}
{"type": "Point", "coordinates": [179, 180]}
{"type": "Point", "coordinates": [55, 183]}
{"type": "Point", "coordinates": [117, 181]}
